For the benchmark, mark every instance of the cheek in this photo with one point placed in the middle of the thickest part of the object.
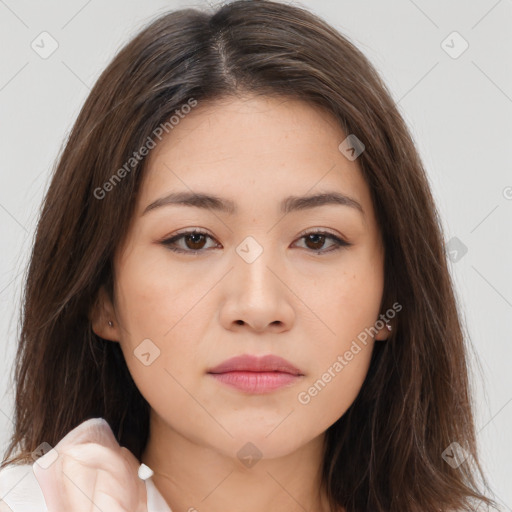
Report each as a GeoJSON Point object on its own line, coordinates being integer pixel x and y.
{"type": "Point", "coordinates": [153, 298]}
{"type": "Point", "coordinates": [347, 304]}
{"type": "Point", "coordinates": [158, 309]}
{"type": "Point", "coordinates": [328, 395]}
{"type": "Point", "coordinates": [349, 307]}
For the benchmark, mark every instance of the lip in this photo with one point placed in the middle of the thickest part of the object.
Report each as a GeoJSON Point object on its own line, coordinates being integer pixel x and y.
{"type": "Point", "coordinates": [248, 363]}
{"type": "Point", "coordinates": [256, 374]}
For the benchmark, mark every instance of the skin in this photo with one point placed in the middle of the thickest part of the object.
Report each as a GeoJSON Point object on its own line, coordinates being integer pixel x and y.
{"type": "Point", "coordinates": [202, 309]}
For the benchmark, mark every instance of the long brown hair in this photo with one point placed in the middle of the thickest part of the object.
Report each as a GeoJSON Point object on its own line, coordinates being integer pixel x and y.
{"type": "Point", "coordinates": [385, 453]}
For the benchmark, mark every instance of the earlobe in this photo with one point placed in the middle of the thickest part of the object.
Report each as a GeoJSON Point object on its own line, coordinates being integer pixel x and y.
{"type": "Point", "coordinates": [102, 317]}
{"type": "Point", "coordinates": [384, 333]}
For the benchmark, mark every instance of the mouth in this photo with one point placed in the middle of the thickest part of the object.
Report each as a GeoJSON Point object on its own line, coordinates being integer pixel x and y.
{"type": "Point", "coordinates": [255, 375]}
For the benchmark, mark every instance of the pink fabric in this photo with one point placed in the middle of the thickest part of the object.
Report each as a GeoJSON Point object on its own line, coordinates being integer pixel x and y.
{"type": "Point", "coordinates": [21, 485]}
{"type": "Point", "coordinates": [20, 492]}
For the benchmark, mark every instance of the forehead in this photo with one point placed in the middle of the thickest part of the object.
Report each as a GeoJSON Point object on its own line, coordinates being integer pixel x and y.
{"type": "Point", "coordinates": [248, 126]}
{"type": "Point", "coordinates": [253, 149]}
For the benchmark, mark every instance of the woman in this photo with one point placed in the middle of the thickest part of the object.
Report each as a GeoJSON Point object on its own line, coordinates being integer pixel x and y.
{"type": "Point", "coordinates": [239, 266]}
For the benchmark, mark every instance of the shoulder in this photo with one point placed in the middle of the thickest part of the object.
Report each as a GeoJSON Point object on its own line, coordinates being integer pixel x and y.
{"type": "Point", "coordinates": [19, 490]}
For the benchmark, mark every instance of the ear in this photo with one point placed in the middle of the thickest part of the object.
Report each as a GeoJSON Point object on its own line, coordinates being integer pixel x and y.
{"type": "Point", "coordinates": [101, 314]}
{"type": "Point", "coordinates": [383, 334]}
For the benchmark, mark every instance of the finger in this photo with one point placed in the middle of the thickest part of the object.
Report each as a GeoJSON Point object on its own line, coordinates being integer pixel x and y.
{"type": "Point", "coordinates": [95, 430]}
{"type": "Point", "coordinates": [125, 495]}
{"type": "Point", "coordinates": [132, 462]}
{"type": "Point", "coordinates": [78, 488]}
{"type": "Point", "coordinates": [82, 489]}
{"type": "Point", "coordinates": [103, 502]}
{"type": "Point", "coordinates": [50, 485]}
{"type": "Point", "coordinates": [72, 478]}
{"type": "Point", "coordinates": [66, 485]}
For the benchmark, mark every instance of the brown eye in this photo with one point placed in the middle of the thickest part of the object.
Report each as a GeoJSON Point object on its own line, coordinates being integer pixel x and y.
{"type": "Point", "coordinates": [191, 242]}
{"type": "Point", "coordinates": [316, 240]}
{"type": "Point", "coordinates": [195, 241]}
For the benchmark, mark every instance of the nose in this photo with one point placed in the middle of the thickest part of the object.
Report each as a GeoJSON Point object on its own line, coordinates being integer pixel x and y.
{"type": "Point", "coordinates": [256, 296]}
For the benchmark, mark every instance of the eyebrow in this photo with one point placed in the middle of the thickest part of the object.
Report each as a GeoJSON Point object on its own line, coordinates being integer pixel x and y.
{"type": "Point", "coordinates": [287, 205]}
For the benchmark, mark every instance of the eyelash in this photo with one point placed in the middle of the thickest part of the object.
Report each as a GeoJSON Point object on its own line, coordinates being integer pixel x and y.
{"type": "Point", "coordinates": [339, 242]}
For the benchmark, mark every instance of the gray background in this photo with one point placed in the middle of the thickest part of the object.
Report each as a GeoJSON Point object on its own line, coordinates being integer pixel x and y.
{"type": "Point", "coordinates": [458, 109]}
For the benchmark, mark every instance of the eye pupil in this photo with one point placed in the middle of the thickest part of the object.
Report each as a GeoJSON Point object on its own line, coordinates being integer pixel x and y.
{"type": "Point", "coordinates": [317, 239]}
{"type": "Point", "coordinates": [196, 239]}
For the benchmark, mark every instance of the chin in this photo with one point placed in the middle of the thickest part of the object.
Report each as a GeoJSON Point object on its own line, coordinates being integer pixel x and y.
{"type": "Point", "coordinates": [259, 444]}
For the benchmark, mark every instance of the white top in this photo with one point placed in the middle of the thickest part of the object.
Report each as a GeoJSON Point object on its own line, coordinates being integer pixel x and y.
{"type": "Point", "coordinates": [20, 492]}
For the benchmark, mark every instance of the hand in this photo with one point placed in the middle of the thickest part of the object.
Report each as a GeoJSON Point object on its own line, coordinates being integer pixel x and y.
{"type": "Point", "coordinates": [92, 473]}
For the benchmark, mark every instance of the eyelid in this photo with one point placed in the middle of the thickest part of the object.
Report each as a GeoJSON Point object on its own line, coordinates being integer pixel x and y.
{"type": "Point", "coordinates": [323, 231]}
{"type": "Point", "coordinates": [182, 233]}
{"type": "Point", "coordinates": [340, 241]}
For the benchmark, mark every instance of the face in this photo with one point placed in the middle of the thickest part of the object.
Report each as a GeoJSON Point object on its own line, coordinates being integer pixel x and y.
{"type": "Point", "coordinates": [197, 284]}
